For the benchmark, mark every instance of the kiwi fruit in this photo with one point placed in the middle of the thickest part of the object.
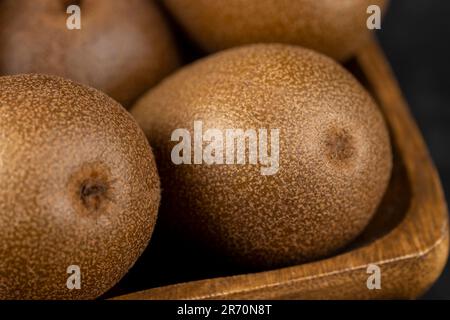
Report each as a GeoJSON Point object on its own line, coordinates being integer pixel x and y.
{"type": "Point", "coordinates": [78, 187]}
{"type": "Point", "coordinates": [334, 154]}
{"type": "Point", "coordinates": [336, 28]}
{"type": "Point", "coordinates": [123, 47]}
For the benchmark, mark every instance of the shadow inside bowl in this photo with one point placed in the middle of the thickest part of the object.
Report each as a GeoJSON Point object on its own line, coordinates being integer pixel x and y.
{"type": "Point", "coordinates": [397, 198]}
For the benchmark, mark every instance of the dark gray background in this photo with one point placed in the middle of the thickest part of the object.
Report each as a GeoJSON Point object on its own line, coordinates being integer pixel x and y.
{"type": "Point", "coordinates": [415, 36]}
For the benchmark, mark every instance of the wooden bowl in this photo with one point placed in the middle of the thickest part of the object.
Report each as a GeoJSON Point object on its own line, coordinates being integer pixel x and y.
{"type": "Point", "coordinates": [407, 238]}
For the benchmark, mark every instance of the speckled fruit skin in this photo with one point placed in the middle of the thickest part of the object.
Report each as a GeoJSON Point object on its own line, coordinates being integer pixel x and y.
{"type": "Point", "coordinates": [336, 28]}
{"type": "Point", "coordinates": [335, 155]}
{"type": "Point", "coordinates": [124, 47]}
{"type": "Point", "coordinates": [78, 186]}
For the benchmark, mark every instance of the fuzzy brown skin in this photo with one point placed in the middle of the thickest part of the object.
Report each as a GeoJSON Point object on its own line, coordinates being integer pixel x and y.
{"type": "Point", "coordinates": [335, 155]}
{"type": "Point", "coordinates": [78, 186]}
{"type": "Point", "coordinates": [124, 47]}
{"type": "Point", "coordinates": [336, 28]}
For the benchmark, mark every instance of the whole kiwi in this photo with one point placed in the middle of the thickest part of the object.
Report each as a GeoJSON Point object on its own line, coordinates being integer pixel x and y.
{"type": "Point", "coordinates": [334, 154]}
{"type": "Point", "coordinates": [78, 189]}
{"type": "Point", "coordinates": [336, 28]}
{"type": "Point", "coordinates": [123, 47]}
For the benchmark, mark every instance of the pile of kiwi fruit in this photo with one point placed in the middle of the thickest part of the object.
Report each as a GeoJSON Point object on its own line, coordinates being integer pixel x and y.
{"type": "Point", "coordinates": [87, 116]}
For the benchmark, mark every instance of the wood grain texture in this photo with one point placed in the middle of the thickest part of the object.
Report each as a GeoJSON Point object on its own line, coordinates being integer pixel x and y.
{"type": "Point", "coordinates": [407, 239]}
